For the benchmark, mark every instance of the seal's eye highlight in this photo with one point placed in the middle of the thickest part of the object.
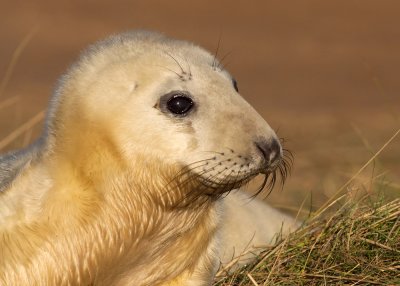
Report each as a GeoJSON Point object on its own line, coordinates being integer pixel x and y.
{"type": "Point", "coordinates": [235, 85]}
{"type": "Point", "coordinates": [180, 104]}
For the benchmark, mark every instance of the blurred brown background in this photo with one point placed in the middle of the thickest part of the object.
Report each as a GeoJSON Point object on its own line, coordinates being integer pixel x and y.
{"type": "Point", "coordinates": [323, 73]}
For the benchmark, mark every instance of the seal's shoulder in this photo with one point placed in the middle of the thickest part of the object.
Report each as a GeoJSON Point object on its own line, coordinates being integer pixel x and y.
{"type": "Point", "coordinates": [12, 163]}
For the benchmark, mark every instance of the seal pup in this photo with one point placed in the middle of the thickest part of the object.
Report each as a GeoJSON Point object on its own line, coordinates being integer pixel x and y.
{"type": "Point", "coordinates": [144, 138]}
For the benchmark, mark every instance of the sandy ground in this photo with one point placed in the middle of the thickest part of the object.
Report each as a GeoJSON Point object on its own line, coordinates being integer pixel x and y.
{"type": "Point", "coordinates": [324, 73]}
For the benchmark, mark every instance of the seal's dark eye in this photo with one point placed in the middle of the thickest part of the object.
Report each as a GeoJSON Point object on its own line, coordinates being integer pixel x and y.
{"type": "Point", "coordinates": [235, 85]}
{"type": "Point", "coordinates": [179, 104]}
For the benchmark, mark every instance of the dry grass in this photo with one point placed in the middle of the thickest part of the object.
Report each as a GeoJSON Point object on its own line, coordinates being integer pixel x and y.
{"type": "Point", "coordinates": [25, 128]}
{"type": "Point", "coordinates": [9, 102]}
{"type": "Point", "coordinates": [14, 59]}
{"type": "Point", "coordinates": [359, 244]}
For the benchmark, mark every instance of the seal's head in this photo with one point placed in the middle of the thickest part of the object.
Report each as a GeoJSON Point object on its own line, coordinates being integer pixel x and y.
{"type": "Point", "coordinates": [169, 101]}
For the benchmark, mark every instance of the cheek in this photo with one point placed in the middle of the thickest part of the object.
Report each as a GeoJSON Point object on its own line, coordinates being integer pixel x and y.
{"type": "Point", "coordinates": [152, 136]}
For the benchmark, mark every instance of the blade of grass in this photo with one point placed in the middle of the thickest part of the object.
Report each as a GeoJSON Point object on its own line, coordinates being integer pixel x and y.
{"type": "Point", "coordinates": [14, 59]}
{"type": "Point", "coordinates": [327, 204]}
{"type": "Point", "coordinates": [8, 102]}
{"type": "Point", "coordinates": [252, 279]}
{"type": "Point", "coordinates": [22, 129]}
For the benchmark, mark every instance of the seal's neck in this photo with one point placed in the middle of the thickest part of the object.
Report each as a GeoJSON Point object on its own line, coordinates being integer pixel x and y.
{"type": "Point", "coordinates": [144, 211]}
{"type": "Point", "coordinates": [95, 214]}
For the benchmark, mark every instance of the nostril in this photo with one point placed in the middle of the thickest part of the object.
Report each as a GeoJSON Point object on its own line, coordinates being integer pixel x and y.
{"type": "Point", "coordinates": [276, 149]}
{"type": "Point", "coordinates": [270, 149]}
{"type": "Point", "coordinates": [262, 148]}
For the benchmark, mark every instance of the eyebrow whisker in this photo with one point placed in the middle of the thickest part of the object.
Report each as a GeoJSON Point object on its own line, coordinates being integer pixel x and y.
{"type": "Point", "coordinates": [176, 61]}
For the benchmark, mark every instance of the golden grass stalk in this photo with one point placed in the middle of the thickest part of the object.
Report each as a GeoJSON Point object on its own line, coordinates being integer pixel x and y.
{"type": "Point", "coordinates": [14, 59]}
{"type": "Point", "coordinates": [335, 197]}
{"type": "Point", "coordinates": [9, 102]}
{"type": "Point", "coordinates": [24, 128]}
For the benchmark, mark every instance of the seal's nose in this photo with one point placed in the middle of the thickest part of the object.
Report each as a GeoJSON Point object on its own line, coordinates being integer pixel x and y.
{"type": "Point", "coordinates": [270, 150]}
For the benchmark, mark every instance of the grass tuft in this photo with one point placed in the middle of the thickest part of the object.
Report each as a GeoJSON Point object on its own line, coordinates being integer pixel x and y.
{"type": "Point", "coordinates": [359, 244]}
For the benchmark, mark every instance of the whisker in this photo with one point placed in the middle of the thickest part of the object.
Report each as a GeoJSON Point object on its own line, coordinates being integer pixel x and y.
{"type": "Point", "coordinates": [261, 187]}
{"type": "Point", "coordinates": [213, 152]}
{"type": "Point", "coordinates": [179, 75]}
{"type": "Point", "coordinates": [186, 170]}
{"type": "Point", "coordinates": [221, 64]}
{"type": "Point", "coordinates": [190, 71]}
{"type": "Point", "coordinates": [215, 184]}
{"type": "Point", "coordinates": [189, 168]}
{"type": "Point", "coordinates": [197, 193]}
{"type": "Point", "coordinates": [176, 61]}
{"type": "Point", "coordinates": [214, 63]}
{"type": "Point", "coordinates": [204, 180]}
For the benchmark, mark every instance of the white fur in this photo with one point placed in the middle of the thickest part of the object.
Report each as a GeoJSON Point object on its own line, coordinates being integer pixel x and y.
{"type": "Point", "coordinates": [91, 203]}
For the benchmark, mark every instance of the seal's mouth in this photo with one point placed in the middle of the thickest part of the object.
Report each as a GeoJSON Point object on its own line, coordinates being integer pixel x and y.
{"type": "Point", "coordinates": [200, 182]}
